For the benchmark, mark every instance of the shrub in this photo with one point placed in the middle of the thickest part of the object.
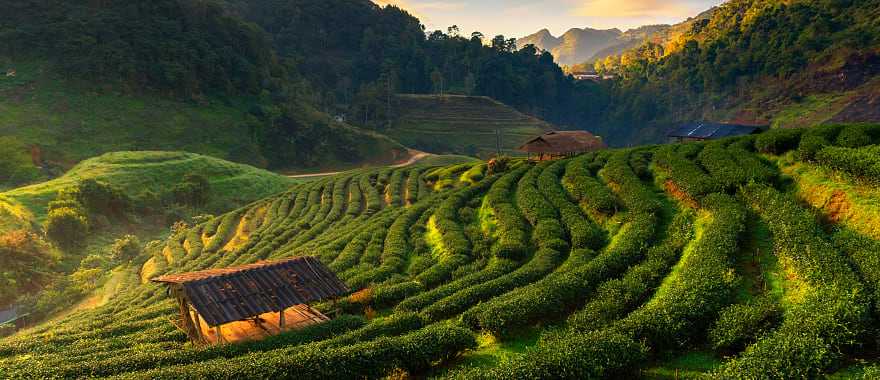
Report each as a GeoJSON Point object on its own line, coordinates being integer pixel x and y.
{"type": "Point", "coordinates": [544, 261]}
{"type": "Point", "coordinates": [686, 174]}
{"type": "Point", "coordinates": [830, 318]}
{"type": "Point", "coordinates": [26, 263]}
{"type": "Point", "coordinates": [67, 227]}
{"type": "Point", "coordinates": [615, 298]}
{"type": "Point", "coordinates": [511, 227]}
{"type": "Point", "coordinates": [858, 135]}
{"type": "Point", "coordinates": [778, 141]}
{"type": "Point", "coordinates": [742, 151]}
{"type": "Point", "coordinates": [125, 248]}
{"type": "Point", "coordinates": [862, 163]}
{"type": "Point", "coordinates": [496, 268]}
{"type": "Point", "coordinates": [574, 355]}
{"type": "Point", "coordinates": [100, 198]}
{"type": "Point", "coordinates": [722, 165]}
{"type": "Point", "coordinates": [742, 324]}
{"type": "Point", "coordinates": [194, 190]}
{"type": "Point", "coordinates": [585, 188]}
{"type": "Point", "coordinates": [561, 291]}
{"type": "Point", "coordinates": [864, 252]}
{"type": "Point", "coordinates": [583, 231]}
{"type": "Point", "coordinates": [699, 287]}
{"type": "Point", "coordinates": [413, 352]}
{"type": "Point", "coordinates": [816, 138]}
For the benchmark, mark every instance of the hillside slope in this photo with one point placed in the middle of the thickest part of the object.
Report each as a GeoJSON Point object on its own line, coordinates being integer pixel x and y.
{"type": "Point", "coordinates": [87, 79]}
{"type": "Point", "coordinates": [788, 64]}
{"type": "Point", "coordinates": [460, 124]}
{"type": "Point", "coordinates": [143, 175]}
{"type": "Point", "coordinates": [664, 261]}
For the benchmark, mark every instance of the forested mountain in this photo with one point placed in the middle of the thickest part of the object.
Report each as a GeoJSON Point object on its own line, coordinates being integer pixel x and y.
{"type": "Point", "coordinates": [280, 66]}
{"type": "Point", "coordinates": [355, 54]}
{"type": "Point", "coordinates": [796, 63]}
{"type": "Point", "coordinates": [221, 86]}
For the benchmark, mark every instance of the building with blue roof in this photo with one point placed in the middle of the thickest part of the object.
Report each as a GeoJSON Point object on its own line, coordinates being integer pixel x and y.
{"type": "Point", "coordinates": [703, 131]}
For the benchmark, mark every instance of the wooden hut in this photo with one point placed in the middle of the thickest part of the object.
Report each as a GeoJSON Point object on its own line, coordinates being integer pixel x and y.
{"type": "Point", "coordinates": [558, 144]}
{"type": "Point", "coordinates": [251, 302]}
{"type": "Point", "coordinates": [703, 131]}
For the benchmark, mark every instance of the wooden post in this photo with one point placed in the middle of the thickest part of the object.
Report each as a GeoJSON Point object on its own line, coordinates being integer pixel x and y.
{"type": "Point", "coordinates": [188, 326]}
{"type": "Point", "coordinates": [281, 320]}
{"type": "Point", "coordinates": [219, 334]}
{"type": "Point", "coordinates": [198, 322]}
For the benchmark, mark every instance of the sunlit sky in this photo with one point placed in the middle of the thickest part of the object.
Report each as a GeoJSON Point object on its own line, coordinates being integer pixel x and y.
{"type": "Point", "coordinates": [519, 18]}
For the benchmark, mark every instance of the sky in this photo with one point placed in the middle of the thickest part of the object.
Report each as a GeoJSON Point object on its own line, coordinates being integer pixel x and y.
{"type": "Point", "coordinates": [519, 18]}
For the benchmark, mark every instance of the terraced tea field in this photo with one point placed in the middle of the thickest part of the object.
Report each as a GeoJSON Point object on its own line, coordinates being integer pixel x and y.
{"type": "Point", "coordinates": [673, 261]}
{"type": "Point", "coordinates": [461, 124]}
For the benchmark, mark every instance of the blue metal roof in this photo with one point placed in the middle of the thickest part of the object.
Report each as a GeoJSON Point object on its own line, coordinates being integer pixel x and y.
{"type": "Point", "coordinates": [8, 315]}
{"type": "Point", "coordinates": [712, 130]}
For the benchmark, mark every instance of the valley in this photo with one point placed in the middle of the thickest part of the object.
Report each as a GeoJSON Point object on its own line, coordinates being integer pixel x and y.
{"type": "Point", "coordinates": [329, 189]}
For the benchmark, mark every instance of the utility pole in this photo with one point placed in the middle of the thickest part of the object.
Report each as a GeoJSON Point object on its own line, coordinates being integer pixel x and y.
{"type": "Point", "coordinates": [498, 142]}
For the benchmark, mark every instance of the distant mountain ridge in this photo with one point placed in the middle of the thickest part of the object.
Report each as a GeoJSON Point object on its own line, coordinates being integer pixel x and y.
{"type": "Point", "coordinates": [586, 45]}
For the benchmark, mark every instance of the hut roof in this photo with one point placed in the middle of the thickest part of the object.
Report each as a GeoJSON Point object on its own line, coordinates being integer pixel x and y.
{"type": "Point", "coordinates": [8, 315]}
{"type": "Point", "coordinates": [234, 294]}
{"type": "Point", "coordinates": [710, 131]}
{"type": "Point", "coordinates": [563, 142]}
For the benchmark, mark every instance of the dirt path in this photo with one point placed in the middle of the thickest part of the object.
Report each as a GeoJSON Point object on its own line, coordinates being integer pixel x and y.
{"type": "Point", "coordinates": [415, 156]}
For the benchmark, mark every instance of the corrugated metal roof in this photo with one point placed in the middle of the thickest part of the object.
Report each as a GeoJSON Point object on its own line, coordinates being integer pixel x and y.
{"type": "Point", "coordinates": [8, 315]}
{"type": "Point", "coordinates": [563, 142]}
{"type": "Point", "coordinates": [235, 294]}
{"type": "Point", "coordinates": [713, 130]}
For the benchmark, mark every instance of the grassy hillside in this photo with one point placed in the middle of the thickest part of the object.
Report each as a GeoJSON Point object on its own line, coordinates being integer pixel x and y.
{"type": "Point", "coordinates": [652, 262]}
{"type": "Point", "coordinates": [140, 174]}
{"type": "Point", "coordinates": [460, 124]}
{"type": "Point", "coordinates": [70, 121]}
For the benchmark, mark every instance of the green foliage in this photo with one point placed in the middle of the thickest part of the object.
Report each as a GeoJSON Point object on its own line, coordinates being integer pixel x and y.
{"type": "Point", "coordinates": [126, 249]}
{"type": "Point", "coordinates": [615, 297]}
{"type": "Point", "coordinates": [661, 288]}
{"type": "Point", "coordinates": [25, 264]}
{"type": "Point", "coordinates": [587, 189]}
{"type": "Point", "coordinates": [110, 183]}
{"type": "Point", "coordinates": [16, 166]}
{"type": "Point", "coordinates": [511, 232]}
{"type": "Point", "coordinates": [194, 190]}
{"type": "Point", "coordinates": [723, 166]}
{"type": "Point", "coordinates": [862, 163]}
{"type": "Point", "coordinates": [67, 227]}
{"type": "Point", "coordinates": [687, 175]}
{"type": "Point", "coordinates": [741, 325]}
{"type": "Point", "coordinates": [594, 355]}
{"type": "Point", "coordinates": [825, 321]}
{"type": "Point", "coordinates": [858, 135]}
{"type": "Point", "coordinates": [778, 141]}
{"type": "Point", "coordinates": [814, 139]}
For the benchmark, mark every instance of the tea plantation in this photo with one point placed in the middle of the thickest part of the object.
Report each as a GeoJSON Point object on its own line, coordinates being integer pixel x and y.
{"type": "Point", "coordinates": [676, 261]}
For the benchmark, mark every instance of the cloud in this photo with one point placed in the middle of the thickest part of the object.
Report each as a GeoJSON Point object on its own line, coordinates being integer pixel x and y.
{"type": "Point", "coordinates": [424, 9]}
{"type": "Point", "coordinates": [423, 5]}
{"type": "Point", "coordinates": [632, 8]}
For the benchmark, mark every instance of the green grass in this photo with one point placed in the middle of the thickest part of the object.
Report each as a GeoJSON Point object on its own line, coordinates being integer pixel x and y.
{"type": "Point", "coordinates": [136, 173]}
{"type": "Point", "coordinates": [692, 365]}
{"type": "Point", "coordinates": [71, 121]}
{"type": "Point", "coordinates": [491, 351]}
{"type": "Point", "coordinates": [838, 197]}
{"type": "Point", "coordinates": [758, 265]}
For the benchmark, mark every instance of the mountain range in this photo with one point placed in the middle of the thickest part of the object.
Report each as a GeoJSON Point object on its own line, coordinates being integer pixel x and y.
{"type": "Point", "coordinates": [586, 45]}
